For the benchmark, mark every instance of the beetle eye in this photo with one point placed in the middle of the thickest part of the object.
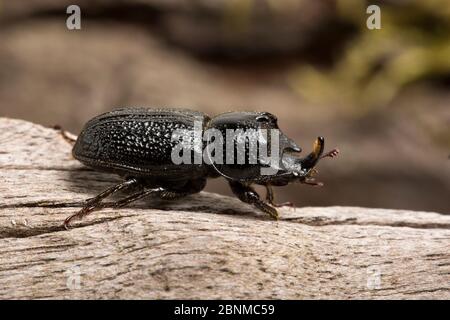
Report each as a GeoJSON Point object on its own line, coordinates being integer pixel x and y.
{"type": "Point", "coordinates": [263, 118]}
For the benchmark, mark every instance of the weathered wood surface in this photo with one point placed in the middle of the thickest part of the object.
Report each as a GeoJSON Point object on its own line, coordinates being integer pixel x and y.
{"type": "Point", "coordinates": [205, 246]}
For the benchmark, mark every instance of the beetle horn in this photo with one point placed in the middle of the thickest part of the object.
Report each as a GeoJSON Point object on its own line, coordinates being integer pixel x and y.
{"type": "Point", "coordinates": [288, 145]}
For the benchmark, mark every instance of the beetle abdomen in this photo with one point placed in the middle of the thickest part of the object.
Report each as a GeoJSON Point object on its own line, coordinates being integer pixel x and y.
{"type": "Point", "coordinates": [135, 139]}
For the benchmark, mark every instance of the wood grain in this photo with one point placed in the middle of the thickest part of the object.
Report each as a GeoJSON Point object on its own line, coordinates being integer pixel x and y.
{"type": "Point", "coordinates": [204, 246]}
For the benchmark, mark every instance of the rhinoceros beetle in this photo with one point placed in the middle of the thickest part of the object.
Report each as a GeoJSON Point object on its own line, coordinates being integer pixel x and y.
{"type": "Point", "coordinates": [138, 144]}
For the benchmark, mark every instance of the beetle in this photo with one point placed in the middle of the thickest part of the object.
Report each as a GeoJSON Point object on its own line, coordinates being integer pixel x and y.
{"type": "Point", "coordinates": [138, 145]}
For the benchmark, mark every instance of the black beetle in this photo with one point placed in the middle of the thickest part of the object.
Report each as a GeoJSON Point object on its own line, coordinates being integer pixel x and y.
{"type": "Point", "coordinates": [138, 145]}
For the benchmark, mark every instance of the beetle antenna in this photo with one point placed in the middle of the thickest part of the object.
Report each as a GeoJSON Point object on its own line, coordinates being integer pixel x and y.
{"type": "Point", "coordinates": [332, 154]}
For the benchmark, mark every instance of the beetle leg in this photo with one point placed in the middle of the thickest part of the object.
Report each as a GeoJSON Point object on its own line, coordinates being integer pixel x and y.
{"type": "Point", "coordinates": [111, 190]}
{"type": "Point", "coordinates": [312, 182]}
{"type": "Point", "coordinates": [172, 195]}
{"type": "Point", "coordinates": [161, 192]}
{"type": "Point", "coordinates": [192, 186]}
{"type": "Point", "coordinates": [247, 194]}
{"type": "Point", "coordinates": [93, 204]}
{"type": "Point", "coordinates": [270, 197]}
{"type": "Point", "coordinates": [70, 138]}
{"type": "Point", "coordinates": [136, 196]}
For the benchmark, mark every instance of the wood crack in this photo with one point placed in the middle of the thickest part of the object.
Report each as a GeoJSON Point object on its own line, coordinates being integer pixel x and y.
{"type": "Point", "coordinates": [324, 221]}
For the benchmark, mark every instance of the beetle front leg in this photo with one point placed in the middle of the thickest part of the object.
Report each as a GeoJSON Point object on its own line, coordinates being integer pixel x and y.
{"type": "Point", "coordinates": [247, 194]}
{"type": "Point", "coordinates": [270, 197]}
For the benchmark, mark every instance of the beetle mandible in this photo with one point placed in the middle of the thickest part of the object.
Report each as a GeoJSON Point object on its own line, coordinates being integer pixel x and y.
{"type": "Point", "coordinates": [137, 144]}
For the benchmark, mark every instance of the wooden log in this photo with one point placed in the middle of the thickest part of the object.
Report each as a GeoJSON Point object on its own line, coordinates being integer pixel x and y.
{"type": "Point", "coordinates": [203, 246]}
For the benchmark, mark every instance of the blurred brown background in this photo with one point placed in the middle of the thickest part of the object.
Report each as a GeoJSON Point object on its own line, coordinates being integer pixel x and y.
{"type": "Point", "coordinates": [381, 96]}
